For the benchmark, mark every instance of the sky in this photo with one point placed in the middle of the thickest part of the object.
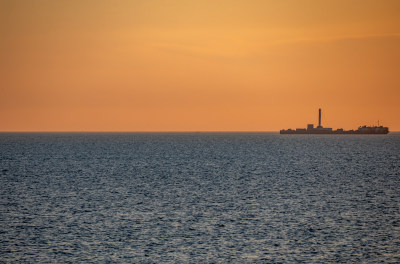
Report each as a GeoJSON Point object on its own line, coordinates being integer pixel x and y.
{"type": "Point", "coordinates": [210, 65]}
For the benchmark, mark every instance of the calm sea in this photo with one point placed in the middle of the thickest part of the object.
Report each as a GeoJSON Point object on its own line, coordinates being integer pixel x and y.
{"type": "Point", "coordinates": [199, 197]}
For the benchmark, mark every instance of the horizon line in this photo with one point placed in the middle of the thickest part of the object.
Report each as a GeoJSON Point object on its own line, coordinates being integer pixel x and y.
{"type": "Point", "coordinates": [137, 131]}
{"type": "Point", "coordinates": [150, 131]}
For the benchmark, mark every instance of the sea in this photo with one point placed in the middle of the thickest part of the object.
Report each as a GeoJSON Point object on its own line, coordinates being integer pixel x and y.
{"type": "Point", "coordinates": [199, 198]}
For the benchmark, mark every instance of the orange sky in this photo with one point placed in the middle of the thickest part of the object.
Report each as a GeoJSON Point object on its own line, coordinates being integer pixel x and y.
{"type": "Point", "coordinates": [210, 65]}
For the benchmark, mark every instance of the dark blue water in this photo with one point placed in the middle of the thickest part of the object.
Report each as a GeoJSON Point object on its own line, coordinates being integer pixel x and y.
{"type": "Point", "coordinates": [199, 197]}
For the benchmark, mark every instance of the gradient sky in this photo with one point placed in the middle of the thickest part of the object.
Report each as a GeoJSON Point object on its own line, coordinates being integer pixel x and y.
{"type": "Point", "coordinates": [204, 65]}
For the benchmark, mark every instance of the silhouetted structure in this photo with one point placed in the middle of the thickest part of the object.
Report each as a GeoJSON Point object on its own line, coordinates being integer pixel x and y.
{"type": "Point", "coordinates": [325, 130]}
{"type": "Point", "coordinates": [319, 118]}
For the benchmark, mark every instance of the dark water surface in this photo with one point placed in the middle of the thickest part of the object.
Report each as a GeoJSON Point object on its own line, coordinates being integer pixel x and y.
{"type": "Point", "coordinates": [199, 197]}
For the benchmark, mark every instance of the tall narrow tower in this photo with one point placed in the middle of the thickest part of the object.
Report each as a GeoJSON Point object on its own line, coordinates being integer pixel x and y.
{"type": "Point", "coordinates": [319, 118]}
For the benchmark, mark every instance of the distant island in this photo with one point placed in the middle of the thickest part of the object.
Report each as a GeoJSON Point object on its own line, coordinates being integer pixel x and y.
{"type": "Point", "coordinates": [325, 130]}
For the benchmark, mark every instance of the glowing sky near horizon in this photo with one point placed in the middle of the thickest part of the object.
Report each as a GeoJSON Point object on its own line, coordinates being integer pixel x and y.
{"type": "Point", "coordinates": [198, 65]}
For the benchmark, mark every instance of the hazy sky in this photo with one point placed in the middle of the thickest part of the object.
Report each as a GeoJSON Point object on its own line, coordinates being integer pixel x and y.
{"type": "Point", "coordinates": [198, 65]}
